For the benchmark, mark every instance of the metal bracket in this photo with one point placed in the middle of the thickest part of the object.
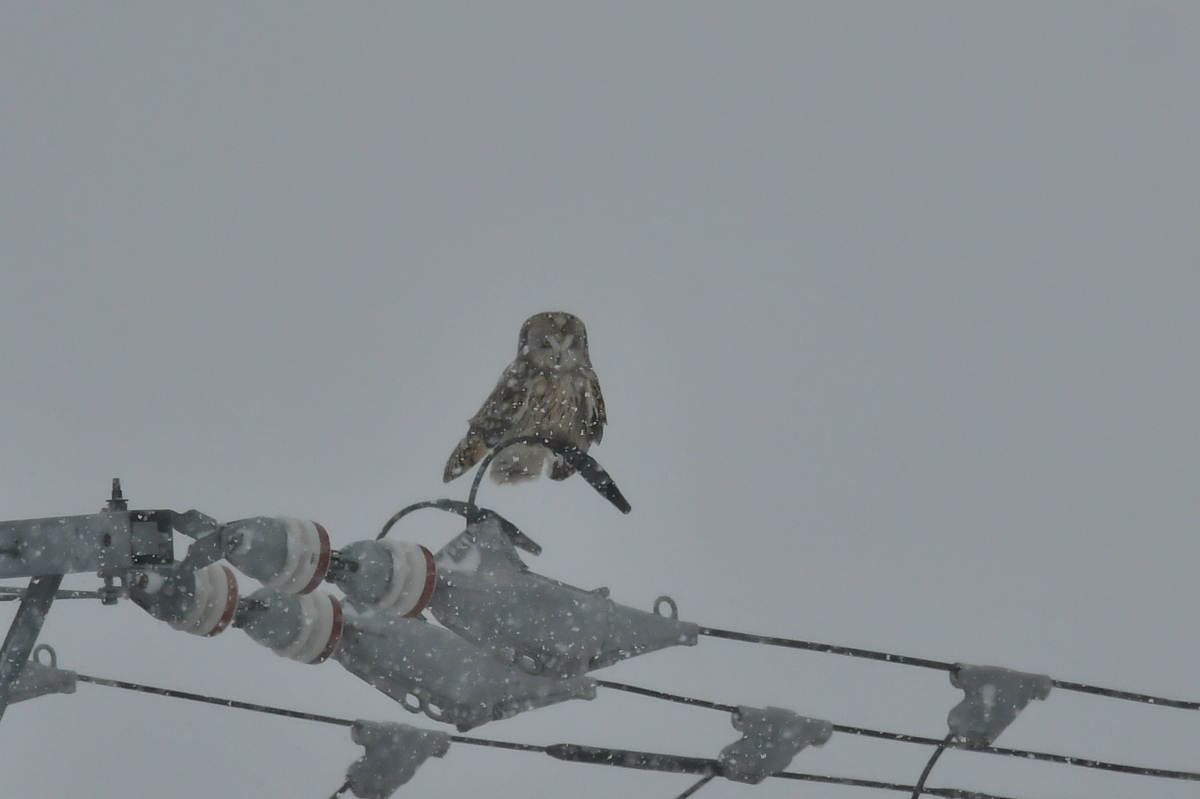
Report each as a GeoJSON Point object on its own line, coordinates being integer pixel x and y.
{"type": "Point", "coordinates": [487, 595]}
{"type": "Point", "coordinates": [207, 550]}
{"type": "Point", "coordinates": [994, 697]}
{"type": "Point", "coordinates": [771, 737]}
{"type": "Point", "coordinates": [40, 679]}
{"type": "Point", "coordinates": [449, 680]}
{"type": "Point", "coordinates": [393, 754]}
{"type": "Point", "coordinates": [26, 625]}
{"type": "Point", "coordinates": [194, 524]}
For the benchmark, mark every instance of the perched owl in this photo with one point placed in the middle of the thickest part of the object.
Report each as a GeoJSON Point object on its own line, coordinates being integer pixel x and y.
{"type": "Point", "coordinates": [548, 390]}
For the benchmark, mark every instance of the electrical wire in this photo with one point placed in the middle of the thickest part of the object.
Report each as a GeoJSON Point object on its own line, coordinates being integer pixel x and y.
{"type": "Point", "coordinates": [623, 758]}
{"type": "Point", "coordinates": [919, 788]}
{"type": "Point", "coordinates": [939, 665]}
{"type": "Point", "coordinates": [279, 711]}
{"type": "Point", "coordinates": [649, 761]}
{"type": "Point", "coordinates": [1080, 762]}
{"type": "Point", "coordinates": [952, 743]}
{"type": "Point", "coordinates": [212, 700]}
{"type": "Point", "coordinates": [697, 786]}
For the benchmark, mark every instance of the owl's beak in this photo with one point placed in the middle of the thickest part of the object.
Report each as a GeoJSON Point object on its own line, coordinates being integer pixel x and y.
{"type": "Point", "coordinates": [559, 346]}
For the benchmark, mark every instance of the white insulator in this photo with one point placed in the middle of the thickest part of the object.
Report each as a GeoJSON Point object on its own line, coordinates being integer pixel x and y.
{"type": "Point", "coordinates": [307, 557]}
{"type": "Point", "coordinates": [320, 632]}
{"type": "Point", "coordinates": [413, 578]}
{"type": "Point", "coordinates": [215, 602]}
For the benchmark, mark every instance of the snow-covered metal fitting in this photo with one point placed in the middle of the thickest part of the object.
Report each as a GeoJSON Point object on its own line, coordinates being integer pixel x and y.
{"type": "Point", "coordinates": [771, 737]}
{"type": "Point", "coordinates": [214, 602]}
{"type": "Point", "coordinates": [306, 628]}
{"type": "Point", "coordinates": [39, 679]}
{"type": "Point", "coordinates": [393, 754]}
{"type": "Point", "coordinates": [289, 554]}
{"type": "Point", "coordinates": [388, 576]}
{"type": "Point", "coordinates": [486, 594]}
{"type": "Point", "coordinates": [994, 697]}
{"type": "Point", "coordinates": [108, 542]}
{"type": "Point", "coordinates": [430, 670]}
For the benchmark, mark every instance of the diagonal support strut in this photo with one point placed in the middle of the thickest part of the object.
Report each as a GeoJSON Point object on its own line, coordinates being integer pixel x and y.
{"type": "Point", "coordinates": [23, 633]}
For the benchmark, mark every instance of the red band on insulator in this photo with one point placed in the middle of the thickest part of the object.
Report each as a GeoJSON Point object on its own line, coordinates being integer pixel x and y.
{"type": "Point", "coordinates": [231, 603]}
{"type": "Point", "coordinates": [322, 560]}
{"type": "Point", "coordinates": [430, 582]}
{"type": "Point", "coordinates": [335, 632]}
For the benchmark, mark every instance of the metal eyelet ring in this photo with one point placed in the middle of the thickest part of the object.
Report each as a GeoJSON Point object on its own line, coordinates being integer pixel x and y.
{"type": "Point", "coordinates": [658, 603]}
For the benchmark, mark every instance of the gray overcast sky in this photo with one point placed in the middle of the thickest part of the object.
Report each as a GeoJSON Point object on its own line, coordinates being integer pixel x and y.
{"type": "Point", "coordinates": [894, 307]}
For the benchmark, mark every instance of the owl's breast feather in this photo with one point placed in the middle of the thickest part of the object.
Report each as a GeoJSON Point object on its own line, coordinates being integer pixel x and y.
{"type": "Point", "coordinates": [553, 404]}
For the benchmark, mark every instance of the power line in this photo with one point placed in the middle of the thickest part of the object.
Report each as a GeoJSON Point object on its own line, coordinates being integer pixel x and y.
{"type": "Point", "coordinates": [15, 593]}
{"type": "Point", "coordinates": [1024, 754]}
{"type": "Point", "coordinates": [277, 711]}
{"type": "Point", "coordinates": [8, 594]}
{"type": "Point", "coordinates": [625, 758]}
{"type": "Point", "coordinates": [832, 649]}
{"type": "Point", "coordinates": [1113, 693]}
{"type": "Point", "coordinates": [1122, 768]}
{"type": "Point", "coordinates": [212, 700]}
{"type": "Point", "coordinates": [575, 753]}
{"type": "Point", "coordinates": [919, 788]}
{"type": "Point", "coordinates": [651, 761]}
{"type": "Point", "coordinates": [697, 786]}
{"type": "Point", "coordinates": [939, 665]}
{"type": "Point", "coordinates": [650, 692]}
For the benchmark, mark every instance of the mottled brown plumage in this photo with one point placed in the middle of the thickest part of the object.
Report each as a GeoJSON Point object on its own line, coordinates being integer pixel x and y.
{"type": "Point", "coordinates": [551, 390]}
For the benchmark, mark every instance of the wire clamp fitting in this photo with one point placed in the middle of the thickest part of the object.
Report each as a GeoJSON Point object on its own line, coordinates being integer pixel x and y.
{"type": "Point", "coordinates": [393, 754]}
{"type": "Point", "coordinates": [771, 737]}
{"type": "Point", "coordinates": [994, 697]}
{"type": "Point", "coordinates": [42, 678]}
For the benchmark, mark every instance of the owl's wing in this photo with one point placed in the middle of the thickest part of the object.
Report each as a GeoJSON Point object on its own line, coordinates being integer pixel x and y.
{"type": "Point", "coordinates": [591, 425]}
{"type": "Point", "coordinates": [595, 425]}
{"type": "Point", "coordinates": [487, 428]}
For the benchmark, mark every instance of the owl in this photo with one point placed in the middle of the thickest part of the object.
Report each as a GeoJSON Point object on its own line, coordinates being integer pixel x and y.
{"type": "Point", "coordinates": [548, 390]}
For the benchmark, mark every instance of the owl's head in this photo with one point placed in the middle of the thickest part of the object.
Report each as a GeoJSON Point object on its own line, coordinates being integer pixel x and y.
{"type": "Point", "coordinates": [554, 340]}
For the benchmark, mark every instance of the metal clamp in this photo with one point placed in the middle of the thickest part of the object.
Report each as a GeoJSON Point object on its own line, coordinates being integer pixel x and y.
{"type": "Point", "coordinates": [40, 679]}
{"type": "Point", "coordinates": [994, 697]}
{"type": "Point", "coordinates": [771, 737]}
{"type": "Point", "coordinates": [393, 754]}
